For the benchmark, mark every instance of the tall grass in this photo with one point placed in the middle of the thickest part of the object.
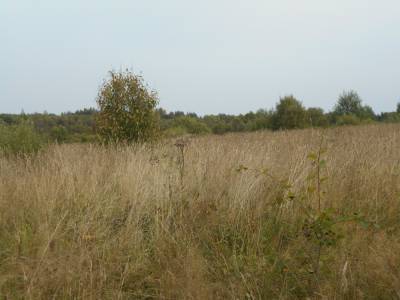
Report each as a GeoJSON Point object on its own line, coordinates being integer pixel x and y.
{"type": "Point", "coordinates": [89, 222]}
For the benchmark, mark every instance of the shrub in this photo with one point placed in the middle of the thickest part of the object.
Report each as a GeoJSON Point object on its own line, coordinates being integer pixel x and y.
{"type": "Point", "coordinates": [191, 125]}
{"type": "Point", "coordinates": [20, 139]}
{"type": "Point", "coordinates": [175, 131]}
{"type": "Point", "coordinates": [316, 117]}
{"type": "Point", "coordinates": [350, 103]}
{"type": "Point", "coordinates": [391, 117]}
{"type": "Point", "coordinates": [59, 134]}
{"type": "Point", "coordinates": [127, 109]}
{"type": "Point", "coordinates": [289, 114]}
{"type": "Point", "coordinates": [348, 120]}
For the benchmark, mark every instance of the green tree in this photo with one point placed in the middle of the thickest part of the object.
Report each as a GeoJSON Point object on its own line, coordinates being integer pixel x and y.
{"type": "Point", "coordinates": [20, 139]}
{"type": "Point", "coordinates": [349, 103]}
{"type": "Point", "coordinates": [289, 114]}
{"type": "Point", "coordinates": [367, 113]}
{"type": "Point", "coordinates": [217, 123]}
{"type": "Point", "coordinates": [191, 125]}
{"type": "Point", "coordinates": [390, 117]}
{"type": "Point", "coordinates": [316, 117]}
{"type": "Point", "coordinates": [126, 109]}
{"type": "Point", "coordinates": [59, 134]}
{"type": "Point", "coordinates": [348, 119]}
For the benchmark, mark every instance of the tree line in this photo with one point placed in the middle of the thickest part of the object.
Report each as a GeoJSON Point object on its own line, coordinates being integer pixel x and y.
{"type": "Point", "coordinates": [289, 113]}
{"type": "Point", "coordinates": [127, 110]}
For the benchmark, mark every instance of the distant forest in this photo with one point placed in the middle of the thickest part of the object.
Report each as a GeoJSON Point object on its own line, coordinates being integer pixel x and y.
{"type": "Point", "coordinates": [289, 113]}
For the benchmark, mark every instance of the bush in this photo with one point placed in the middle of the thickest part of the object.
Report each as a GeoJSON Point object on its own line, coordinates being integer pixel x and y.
{"type": "Point", "coordinates": [348, 120]}
{"type": "Point", "coordinates": [59, 134]}
{"type": "Point", "coordinates": [20, 139]}
{"type": "Point", "coordinates": [289, 114]}
{"type": "Point", "coordinates": [174, 132]}
{"type": "Point", "coordinates": [316, 117]}
{"type": "Point", "coordinates": [127, 109]}
{"type": "Point", "coordinates": [191, 125]}
{"type": "Point", "coordinates": [350, 103]}
{"type": "Point", "coordinates": [391, 117]}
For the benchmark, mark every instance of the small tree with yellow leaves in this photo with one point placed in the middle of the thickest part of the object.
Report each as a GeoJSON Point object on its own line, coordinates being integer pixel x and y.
{"type": "Point", "coordinates": [126, 109]}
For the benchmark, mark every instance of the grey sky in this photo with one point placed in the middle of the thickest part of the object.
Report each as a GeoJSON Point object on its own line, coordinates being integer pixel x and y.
{"type": "Point", "coordinates": [205, 56]}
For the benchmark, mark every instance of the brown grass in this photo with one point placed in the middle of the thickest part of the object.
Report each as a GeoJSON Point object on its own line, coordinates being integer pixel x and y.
{"type": "Point", "coordinates": [87, 222]}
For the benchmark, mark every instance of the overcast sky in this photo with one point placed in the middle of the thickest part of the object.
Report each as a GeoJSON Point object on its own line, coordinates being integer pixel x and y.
{"type": "Point", "coordinates": [207, 56]}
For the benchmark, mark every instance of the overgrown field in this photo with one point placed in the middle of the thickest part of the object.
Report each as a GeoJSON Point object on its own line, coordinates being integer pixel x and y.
{"type": "Point", "coordinates": [285, 215]}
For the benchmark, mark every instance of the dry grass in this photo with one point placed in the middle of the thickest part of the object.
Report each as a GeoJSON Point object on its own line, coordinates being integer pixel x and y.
{"type": "Point", "coordinates": [86, 222]}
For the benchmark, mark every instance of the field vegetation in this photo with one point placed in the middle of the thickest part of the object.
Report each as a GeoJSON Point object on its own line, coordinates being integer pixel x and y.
{"type": "Point", "coordinates": [137, 213]}
{"type": "Point", "coordinates": [306, 213]}
{"type": "Point", "coordinates": [85, 125]}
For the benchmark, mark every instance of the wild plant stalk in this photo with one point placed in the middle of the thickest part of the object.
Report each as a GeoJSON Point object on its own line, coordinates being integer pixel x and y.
{"type": "Point", "coordinates": [181, 144]}
{"type": "Point", "coordinates": [318, 179]}
{"type": "Point", "coordinates": [319, 172]}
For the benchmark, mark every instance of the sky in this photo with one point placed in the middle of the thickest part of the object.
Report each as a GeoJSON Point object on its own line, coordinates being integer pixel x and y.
{"type": "Point", "coordinates": [208, 56]}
